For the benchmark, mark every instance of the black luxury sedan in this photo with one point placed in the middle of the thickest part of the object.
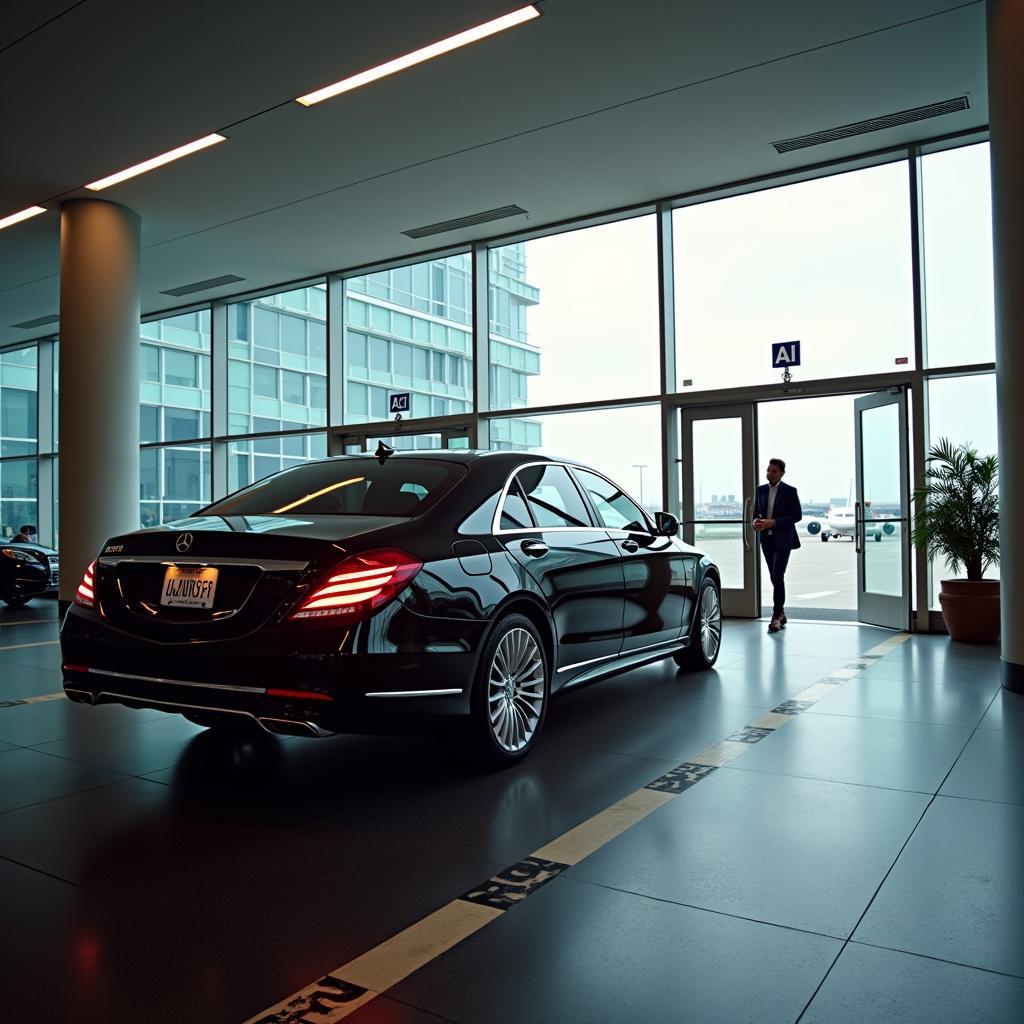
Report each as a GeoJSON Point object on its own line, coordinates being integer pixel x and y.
{"type": "Point", "coordinates": [366, 593]}
{"type": "Point", "coordinates": [27, 570]}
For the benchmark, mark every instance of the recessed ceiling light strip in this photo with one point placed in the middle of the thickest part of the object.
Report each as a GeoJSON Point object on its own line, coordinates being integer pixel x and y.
{"type": "Point", "coordinates": [157, 161]}
{"type": "Point", "coordinates": [17, 218]}
{"type": "Point", "coordinates": [471, 35]}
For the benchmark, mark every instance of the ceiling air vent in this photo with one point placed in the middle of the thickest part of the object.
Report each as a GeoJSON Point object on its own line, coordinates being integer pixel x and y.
{"type": "Point", "coordinates": [873, 124]}
{"type": "Point", "coordinates": [464, 222]}
{"type": "Point", "coordinates": [201, 286]}
{"type": "Point", "coordinates": [38, 322]}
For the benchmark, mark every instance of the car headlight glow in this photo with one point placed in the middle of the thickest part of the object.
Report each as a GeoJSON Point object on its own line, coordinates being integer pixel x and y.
{"type": "Point", "coordinates": [18, 556]}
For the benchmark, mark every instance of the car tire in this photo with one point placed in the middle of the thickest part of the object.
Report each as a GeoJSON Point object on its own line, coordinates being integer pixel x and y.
{"type": "Point", "coordinates": [16, 602]}
{"type": "Point", "coordinates": [706, 631]}
{"type": "Point", "coordinates": [510, 694]}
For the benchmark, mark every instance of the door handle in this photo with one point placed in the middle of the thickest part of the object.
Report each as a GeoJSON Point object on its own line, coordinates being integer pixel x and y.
{"type": "Point", "coordinates": [746, 522]}
{"type": "Point", "coordinates": [534, 548]}
{"type": "Point", "coordinates": [856, 527]}
{"type": "Point", "coordinates": [631, 545]}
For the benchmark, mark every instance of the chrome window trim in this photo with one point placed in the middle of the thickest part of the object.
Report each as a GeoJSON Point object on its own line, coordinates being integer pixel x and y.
{"type": "Point", "coordinates": [496, 521]}
{"type": "Point", "coordinates": [267, 564]}
{"type": "Point", "coordinates": [579, 483]}
{"type": "Point", "coordinates": [624, 654]}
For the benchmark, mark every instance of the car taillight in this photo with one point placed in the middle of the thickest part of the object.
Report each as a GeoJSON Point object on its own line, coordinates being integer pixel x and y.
{"type": "Point", "coordinates": [85, 595]}
{"type": "Point", "coordinates": [359, 585]}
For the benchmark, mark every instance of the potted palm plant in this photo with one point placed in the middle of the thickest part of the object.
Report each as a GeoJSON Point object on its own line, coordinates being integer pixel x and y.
{"type": "Point", "coordinates": [957, 519]}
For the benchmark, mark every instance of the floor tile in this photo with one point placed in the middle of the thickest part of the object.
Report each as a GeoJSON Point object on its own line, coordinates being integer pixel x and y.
{"type": "Point", "coordinates": [934, 702]}
{"type": "Point", "coordinates": [990, 768]}
{"type": "Point", "coordinates": [145, 746]}
{"type": "Point", "coordinates": [578, 953]}
{"type": "Point", "coordinates": [869, 984]}
{"type": "Point", "coordinates": [957, 891]}
{"type": "Point", "coordinates": [389, 1011]}
{"type": "Point", "coordinates": [792, 852]}
{"type": "Point", "coordinates": [866, 752]}
{"type": "Point", "coordinates": [19, 681]}
{"type": "Point", "coordinates": [46, 656]}
{"type": "Point", "coordinates": [28, 724]}
{"type": "Point", "coordinates": [1005, 712]}
{"type": "Point", "coordinates": [28, 777]}
{"type": "Point", "coordinates": [671, 730]}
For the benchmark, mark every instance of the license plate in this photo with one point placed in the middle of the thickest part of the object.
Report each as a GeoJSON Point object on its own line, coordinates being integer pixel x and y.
{"type": "Point", "coordinates": [187, 586]}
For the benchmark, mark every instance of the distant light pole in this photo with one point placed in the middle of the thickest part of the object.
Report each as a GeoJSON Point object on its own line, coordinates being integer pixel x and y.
{"type": "Point", "coordinates": [641, 466]}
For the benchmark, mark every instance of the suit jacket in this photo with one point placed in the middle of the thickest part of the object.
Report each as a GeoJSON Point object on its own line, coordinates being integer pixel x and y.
{"type": "Point", "coordinates": [787, 513]}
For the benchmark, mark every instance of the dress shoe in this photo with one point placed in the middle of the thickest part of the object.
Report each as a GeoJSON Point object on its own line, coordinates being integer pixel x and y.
{"type": "Point", "coordinates": [782, 619]}
{"type": "Point", "coordinates": [773, 626]}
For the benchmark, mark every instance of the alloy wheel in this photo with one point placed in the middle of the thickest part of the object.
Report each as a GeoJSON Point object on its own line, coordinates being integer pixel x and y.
{"type": "Point", "coordinates": [515, 690]}
{"type": "Point", "coordinates": [710, 623]}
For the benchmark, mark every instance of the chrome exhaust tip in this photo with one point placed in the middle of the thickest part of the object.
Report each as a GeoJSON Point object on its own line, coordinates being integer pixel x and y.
{"type": "Point", "coordinates": [80, 696]}
{"type": "Point", "coordinates": [291, 727]}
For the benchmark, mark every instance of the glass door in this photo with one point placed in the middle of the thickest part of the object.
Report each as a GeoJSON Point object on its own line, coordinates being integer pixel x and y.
{"type": "Point", "coordinates": [718, 477]}
{"type": "Point", "coordinates": [882, 510]}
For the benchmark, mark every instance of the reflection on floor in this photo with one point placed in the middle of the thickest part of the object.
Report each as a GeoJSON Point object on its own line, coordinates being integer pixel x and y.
{"type": "Point", "coordinates": [861, 861]}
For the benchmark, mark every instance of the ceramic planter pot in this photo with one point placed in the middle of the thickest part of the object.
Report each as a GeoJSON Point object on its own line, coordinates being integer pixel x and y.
{"type": "Point", "coordinates": [970, 609]}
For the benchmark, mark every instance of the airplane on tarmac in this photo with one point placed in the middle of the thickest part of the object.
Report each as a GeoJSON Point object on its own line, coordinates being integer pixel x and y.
{"type": "Point", "coordinates": [841, 522]}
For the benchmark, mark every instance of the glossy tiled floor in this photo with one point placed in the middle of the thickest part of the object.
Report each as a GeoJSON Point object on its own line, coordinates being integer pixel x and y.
{"type": "Point", "coordinates": [866, 862]}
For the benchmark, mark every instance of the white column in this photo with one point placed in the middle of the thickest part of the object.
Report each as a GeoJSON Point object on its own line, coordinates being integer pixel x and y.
{"type": "Point", "coordinates": [1006, 111]}
{"type": "Point", "coordinates": [99, 381]}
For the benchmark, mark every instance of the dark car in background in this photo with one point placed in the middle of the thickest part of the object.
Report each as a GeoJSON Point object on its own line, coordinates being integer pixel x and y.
{"type": "Point", "coordinates": [374, 593]}
{"type": "Point", "coordinates": [27, 570]}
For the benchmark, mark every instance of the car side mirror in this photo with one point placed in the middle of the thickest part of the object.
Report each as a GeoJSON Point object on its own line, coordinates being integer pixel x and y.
{"type": "Point", "coordinates": [667, 524]}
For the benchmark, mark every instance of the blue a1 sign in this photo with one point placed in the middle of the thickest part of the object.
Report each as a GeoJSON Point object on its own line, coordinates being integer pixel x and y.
{"type": "Point", "coordinates": [398, 401]}
{"type": "Point", "coordinates": [785, 354]}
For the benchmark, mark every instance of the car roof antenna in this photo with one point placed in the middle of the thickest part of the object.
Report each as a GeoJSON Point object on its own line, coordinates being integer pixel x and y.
{"type": "Point", "coordinates": [383, 452]}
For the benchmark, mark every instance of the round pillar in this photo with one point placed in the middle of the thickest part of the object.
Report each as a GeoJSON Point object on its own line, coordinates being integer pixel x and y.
{"type": "Point", "coordinates": [1006, 109]}
{"type": "Point", "coordinates": [98, 436]}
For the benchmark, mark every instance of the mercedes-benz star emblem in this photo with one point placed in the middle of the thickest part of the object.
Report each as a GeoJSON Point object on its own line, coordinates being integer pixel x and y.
{"type": "Point", "coordinates": [184, 542]}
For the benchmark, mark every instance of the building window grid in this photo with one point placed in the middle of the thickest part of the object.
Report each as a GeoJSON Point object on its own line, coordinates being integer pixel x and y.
{"type": "Point", "coordinates": [428, 294]}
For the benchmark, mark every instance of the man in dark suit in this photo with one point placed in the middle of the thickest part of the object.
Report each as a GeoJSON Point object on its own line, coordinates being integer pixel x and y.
{"type": "Point", "coordinates": [775, 517]}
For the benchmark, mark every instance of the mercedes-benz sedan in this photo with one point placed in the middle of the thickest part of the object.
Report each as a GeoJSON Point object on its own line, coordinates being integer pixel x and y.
{"type": "Point", "coordinates": [366, 593]}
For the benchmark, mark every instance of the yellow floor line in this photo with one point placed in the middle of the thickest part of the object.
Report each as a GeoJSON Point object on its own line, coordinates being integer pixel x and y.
{"type": "Point", "coordinates": [594, 833]}
{"type": "Point", "coordinates": [45, 697]}
{"type": "Point", "coordinates": [356, 983]}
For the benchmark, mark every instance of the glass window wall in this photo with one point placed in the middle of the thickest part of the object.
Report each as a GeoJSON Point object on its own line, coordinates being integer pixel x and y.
{"type": "Point", "coordinates": [957, 228]}
{"type": "Point", "coordinates": [623, 443]}
{"type": "Point", "coordinates": [277, 361]}
{"type": "Point", "coordinates": [962, 409]}
{"type": "Point", "coordinates": [409, 330]}
{"type": "Point", "coordinates": [825, 261]}
{"type": "Point", "coordinates": [574, 317]}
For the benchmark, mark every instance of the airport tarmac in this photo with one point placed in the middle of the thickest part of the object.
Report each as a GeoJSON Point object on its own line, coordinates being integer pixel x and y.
{"type": "Point", "coordinates": [821, 581]}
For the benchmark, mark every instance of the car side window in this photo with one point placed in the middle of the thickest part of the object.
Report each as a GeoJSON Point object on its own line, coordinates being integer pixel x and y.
{"type": "Point", "coordinates": [553, 497]}
{"type": "Point", "coordinates": [614, 509]}
{"type": "Point", "coordinates": [514, 513]}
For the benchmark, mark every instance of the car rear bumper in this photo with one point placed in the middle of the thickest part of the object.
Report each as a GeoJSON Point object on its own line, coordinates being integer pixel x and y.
{"type": "Point", "coordinates": [296, 682]}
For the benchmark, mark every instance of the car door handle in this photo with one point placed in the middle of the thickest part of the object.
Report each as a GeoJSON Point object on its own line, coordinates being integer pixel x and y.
{"type": "Point", "coordinates": [631, 545]}
{"type": "Point", "coordinates": [534, 548]}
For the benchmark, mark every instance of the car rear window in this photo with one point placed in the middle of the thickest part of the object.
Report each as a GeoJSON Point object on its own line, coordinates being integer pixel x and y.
{"type": "Point", "coordinates": [346, 487]}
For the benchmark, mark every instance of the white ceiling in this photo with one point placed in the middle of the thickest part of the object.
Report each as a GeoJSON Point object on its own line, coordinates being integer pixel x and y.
{"type": "Point", "coordinates": [594, 106]}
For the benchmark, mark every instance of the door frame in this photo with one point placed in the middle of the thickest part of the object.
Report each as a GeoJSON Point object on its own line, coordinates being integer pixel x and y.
{"type": "Point", "coordinates": [910, 381]}
{"type": "Point", "coordinates": [737, 602]}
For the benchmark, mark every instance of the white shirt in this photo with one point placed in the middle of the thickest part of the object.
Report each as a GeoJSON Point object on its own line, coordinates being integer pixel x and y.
{"type": "Point", "coordinates": [773, 489]}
